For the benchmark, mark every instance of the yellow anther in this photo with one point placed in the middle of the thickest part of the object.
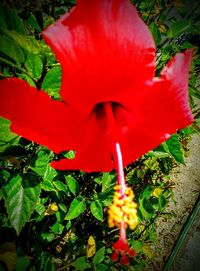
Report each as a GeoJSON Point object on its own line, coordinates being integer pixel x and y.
{"type": "Point", "coordinates": [123, 208]}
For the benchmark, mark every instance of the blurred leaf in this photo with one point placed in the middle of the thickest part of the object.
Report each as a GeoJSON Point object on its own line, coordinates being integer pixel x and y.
{"type": "Point", "coordinates": [22, 263]}
{"type": "Point", "coordinates": [99, 256]}
{"type": "Point", "coordinates": [34, 65]}
{"type": "Point", "coordinates": [96, 210]}
{"type": "Point", "coordinates": [22, 194]}
{"type": "Point", "coordinates": [52, 82]}
{"type": "Point", "coordinates": [33, 22]}
{"type": "Point", "coordinates": [8, 255]}
{"type": "Point", "coordinates": [72, 184]}
{"type": "Point", "coordinates": [81, 263]}
{"type": "Point", "coordinates": [76, 208]}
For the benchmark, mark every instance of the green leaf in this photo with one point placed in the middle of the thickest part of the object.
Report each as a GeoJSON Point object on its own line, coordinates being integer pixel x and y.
{"type": "Point", "coordinates": [81, 263]}
{"type": "Point", "coordinates": [26, 42]}
{"type": "Point", "coordinates": [76, 208]}
{"type": "Point", "coordinates": [158, 154]}
{"type": "Point", "coordinates": [52, 82]}
{"type": "Point", "coordinates": [57, 228]}
{"type": "Point", "coordinates": [60, 186]}
{"type": "Point", "coordinates": [22, 194]}
{"type": "Point", "coordinates": [72, 184]}
{"type": "Point", "coordinates": [34, 65]}
{"type": "Point", "coordinates": [5, 134]}
{"type": "Point", "coordinates": [70, 154]}
{"type": "Point", "coordinates": [9, 19]}
{"type": "Point", "coordinates": [106, 181]}
{"type": "Point", "coordinates": [47, 186]}
{"type": "Point", "coordinates": [174, 147]}
{"type": "Point", "coordinates": [28, 79]}
{"type": "Point", "coordinates": [22, 263]}
{"type": "Point", "coordinates": [9, 48]}
{"type": "Point", "coordinates": [155, 32]}
{"type": "Point", "coordinates": [96, 210]}
{"type": "Point", "coordinates": [102, 267]}
{"type": "Point", "coordinates": [46, 236]}
{"type": "Point", "coordinates": [33, 22]}
{"type": "Point", "coordinates": [178, 27]}
{"type": "Point", "coordinates": [99, 256]}
{"type": "Point", "coordinates": [8, 255]}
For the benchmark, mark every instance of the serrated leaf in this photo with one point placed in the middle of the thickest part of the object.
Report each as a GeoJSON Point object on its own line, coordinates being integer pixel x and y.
{"type": "Point", "coordinates": [72, 184]}
{"type": "Point", "coordinates": [52, 82]}
{"type": "Point", "coordinates": [96, 209]}
{"type": "Point", "coordinates": [81, 263]}
{"type": "Point", "coordinates": [34, 65]}
{"type": "Point", "coordinates": [76, 208]}
{"type": "Point", "coordinates": [99, 256]}
{"type": "Point", "coordinates": [22, 194]}
{"type": "Point", "coordinates": [174, 147]}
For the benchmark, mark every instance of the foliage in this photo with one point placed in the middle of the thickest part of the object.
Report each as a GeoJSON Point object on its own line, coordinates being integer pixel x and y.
{"type": "Point", "coordinates": [49, 217]}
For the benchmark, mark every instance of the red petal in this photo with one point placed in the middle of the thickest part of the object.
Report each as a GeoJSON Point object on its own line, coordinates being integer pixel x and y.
{"type": "Point", "coordinates": [125, 260]}
{"type": "Point", "coordinates": [154, 112]}
{"type": "Point", "coordinates": [121, 245]}
{"type": "Point", "coordinates": [114, 257]}
{"type": "Point", "coordinates": [94, 154]}
{"type": "Point", "coordinates": [103, 47]}
{"type": "Point", "coordinates": [35, 116]}
{"type": "Point", "coordinates": [131, 252]}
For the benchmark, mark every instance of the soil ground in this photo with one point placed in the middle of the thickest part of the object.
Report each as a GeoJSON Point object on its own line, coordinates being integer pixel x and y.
{"type": "Point", "coordinates": [186, 192]}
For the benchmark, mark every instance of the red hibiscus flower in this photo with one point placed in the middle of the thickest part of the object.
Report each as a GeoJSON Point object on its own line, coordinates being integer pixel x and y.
{"type": "Point", "coordinates": [109, 92]}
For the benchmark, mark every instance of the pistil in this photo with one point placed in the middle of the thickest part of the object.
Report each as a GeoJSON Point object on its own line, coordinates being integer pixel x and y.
{"type": "Point", "coordinates": [123, 210]}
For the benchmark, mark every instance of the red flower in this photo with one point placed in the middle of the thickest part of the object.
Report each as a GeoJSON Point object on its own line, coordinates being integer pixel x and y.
{"type": "Point", "coordinates": [108, 56]}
